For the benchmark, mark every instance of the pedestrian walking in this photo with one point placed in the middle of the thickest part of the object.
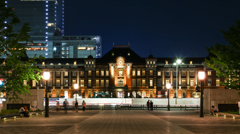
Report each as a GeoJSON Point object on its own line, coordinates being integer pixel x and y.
{"type": "Point", "coordinates": [76, 106]}
{"type": "Point", "coordinates": [58, 106]}
{"type": "Point", "coordinates": [151, 105]}
{"type": "Point", "coordinates": [148, 104]}
{"type": "Point", "coordinates": [84, 105]}
{"type": "Point", "coordinates": [65, 104]}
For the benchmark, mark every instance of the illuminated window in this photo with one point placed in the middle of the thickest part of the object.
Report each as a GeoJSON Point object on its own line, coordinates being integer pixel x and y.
{"type": "Point", "coordinates": [151, 83]}
{"type": "Point", "coordinates": [107, 73]}
{"type": "Point", "coordinates": [184, 84]}
{"type": "Point", "coordinates": [65, 73]}
{"type": "Point", "coordinates": [97, 82]}
{"type": "Point", "coordinates": [166, 62]}
{"type": "Point", "coordinates": [59, 64]}
{"type": "Point", "coordinates": [82, 83]}
{"type": "Point", "coordinates": [102, 83]}
{"type": "Point", "coordinates": [58, 82]}
{"type": "Point", "coordinates": [82, 48]}
{"type": "Point", "coordinates": [74, 73]}
{"type": "Point", "coordinates": [191, 82]}
{"type": "Point", "coordinates": [138, 72]}
{"type": "Point", "coordinates": [89, 73]}
{"type": "Point", "coordinates": [89, 62]}
{"type": "Point", "coordinates": [159, 73]}
{"type": "Point", "coordinates": [217, 82]}
{"type": "Point", "coordinates": [89, 83]}
{"type": "Point", "coordinates": [147, 62]}
{"type": "Point", "coordinates": [102, 73]}
{"type": "Point", "coordinates": [150, 62]}
{"type": "Point", "coordinates": [82, 73]}
{"type": "Point", "coordinates": [74, 81]}
{"type": "Point", "coordinates": [209, 72]}
{"type": "Point", "coordinates": [50, 24]}
{"type": "Point", "coordinates": [133, 73]}
{"type": "Point", "coordinates": [75, 63]}
{"type": "Point", "coordinates": [97, 73]}
{"type": "Point", "coordinates": [151, 72]}
{"type": "Point", "coordinates": [143, 82]}
{"type": "Point", "coordinates": [112, 54]}
{"type": "Point", "coordinates": [120, 73]}
{"type": "Point", "coordinates": [128, 54]}
{"type": "Point", "coordinates": [43, 63]}
{"type": "Point", "coordinates": [190, 62]}
{"type": "Point", "coordinates": [143, 72]}
{"type": "Point", "coordinates": [58, 73]}
{"type": "Point", "coordinates": [153, 62]}
{"type": "Point", "coordinates": [167, 81]}
{"type": "Point", "coordinates": [92, 62]}
{"type": "Point", "coordinates": [25, 82]}
{"type": "Point", "coordinates": [33, 83]}
{"type": "Point", "coordinates": [86, 62]}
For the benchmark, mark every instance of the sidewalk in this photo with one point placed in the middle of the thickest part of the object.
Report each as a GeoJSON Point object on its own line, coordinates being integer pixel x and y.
{"type": "Point", "coordinates": [122, 121]}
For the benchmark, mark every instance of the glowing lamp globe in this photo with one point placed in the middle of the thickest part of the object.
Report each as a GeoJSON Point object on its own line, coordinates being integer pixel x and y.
{"type": "Point", "coordinates": [168, 86]}
{"type": "Point", "coordinates": [201, 75]}
{"type": "Point", "coordinates": [46, 75]}
{"type": "Point", "coordinates": [75, 86]}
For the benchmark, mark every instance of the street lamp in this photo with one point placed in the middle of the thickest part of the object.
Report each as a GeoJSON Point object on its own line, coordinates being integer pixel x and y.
{"type": "Point", "coordinates": [201, 76]}
{"type": "Point", "coordinates": [76, 87]}
{"type": "Point", "coordinates": [168, 88]}
{"type": "Point", "coordinates": [46, 76]}
{"type": "Point", "coordinates": [179, 61]}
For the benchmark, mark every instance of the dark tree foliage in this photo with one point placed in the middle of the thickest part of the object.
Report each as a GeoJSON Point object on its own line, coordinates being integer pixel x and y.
{"type": "Point", "coordinates": [16, 66]}
{"type": "Point", "coordinates": [225, 59]}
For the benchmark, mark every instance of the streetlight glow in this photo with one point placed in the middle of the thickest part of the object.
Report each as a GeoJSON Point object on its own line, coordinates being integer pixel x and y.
{"type": "Point", "coordinates": [179, 61]}
{"type": "Point", "coordinates": [168, 86]}
{"type": "Point", "coordinates": [46, 75]}
{"type": "Point", "coordinates": [75, 86]}
{"type": "Point", "coordinates": [201, 75]}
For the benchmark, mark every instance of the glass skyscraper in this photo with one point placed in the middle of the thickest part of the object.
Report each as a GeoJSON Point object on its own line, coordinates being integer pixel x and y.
{"type": "Point", "coordinates": [46, 19]}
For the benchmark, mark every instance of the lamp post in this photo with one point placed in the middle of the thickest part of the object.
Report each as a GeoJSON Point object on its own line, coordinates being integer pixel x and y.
{"type": "Point", "coordinates": [201, 76]}
{"type": "Point", "coordinates": [168, 88]}
{"type": "Point", "coordinates": [46, 76]}
{"type": "Point", "coordinates": [76, 87]}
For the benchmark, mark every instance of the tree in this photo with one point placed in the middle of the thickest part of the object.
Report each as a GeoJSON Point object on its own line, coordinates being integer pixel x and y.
{"type": "Point", "coordinates": [225, 59]}
{"type": "Point", "coordinates": [16, 66]}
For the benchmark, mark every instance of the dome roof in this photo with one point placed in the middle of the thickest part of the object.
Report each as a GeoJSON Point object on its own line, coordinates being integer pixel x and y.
{"type": "Point", "coordinates": [90, 57]}
{"type": "Point", "coordinates": [150, 56]}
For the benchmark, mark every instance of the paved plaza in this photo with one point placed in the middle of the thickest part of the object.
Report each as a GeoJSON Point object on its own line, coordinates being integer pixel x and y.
{"type": "Point", "coordinates": [121, 122]}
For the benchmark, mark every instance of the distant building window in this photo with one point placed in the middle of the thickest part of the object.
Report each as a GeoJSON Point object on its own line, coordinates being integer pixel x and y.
{"type": "Point", "coordinates": [65, 82]}
{"type": "Point", "coordinates": [190, 62]}
{"type": "Point", "coordinates": [82, 83]}
{"type": "Point", "coordinates": [82, 73]}
{"type": "Point", "coordinates": [107, 83]}
{"type": "Point", "coordinates": [209, 82]}
{"type": "Point", "coordinates": [107, 73]}
{"type": "Point", "coordinates": [143, 72]}
{"type": "Point", "coordinates": [89, 73]}
{"type": "Point", "coordinates": [151, 83]}
{"type": "Point", "coordinates": [74, 73]}
{"type": "Point", "coordinates": [143, 82]}
{"type": "Point", "coordinates": [97, 83]}
{"type": "Point", "coordinates": [166, 62]}
{"type": "Point", "coordinates": [33, 83]}
{"type": "Point", "coordinates": [138, 82]}
{"type": "Point", "coordinates": [159, 73]}
{"type": "Point", "coordinates": [217, 82]}
{"type": "Point", "coordinates": [92, 62]}
{"type": "Point", "coordinates": [209, 72]}
{"type": "Point", "coordinates": [75, 63]}
{"type": "Point", "coordinates": [89, 83]}
{"type": "Point", "coordinates": [86, 62]}
{"type": "Point", "coordinates": [191, 73]}
{"type": "Point", "coordinates": [183, 73]}
{"type": "Point", "coordinates": [151, 72]}
{"type": "Point", "coordinates": [167, 73]}
{"type": "Point", "coordinates": [147, 62]}
{"type": "Point", "coordinates": [191, 82]}
{"type": "Point", "coordinates": [128, 54]}
{"type": "Point", "coordinates": [74, 81]}
{"type": "Point", "coordinates": [174, 73]}
{"type": "Point", "coordinates": [58, 73]}
{"type": "Point", "coordinates": [184, 84]}
{"type": "Point", "coordinates": [133, 82]}
{"type": "Point", "coordinates": [138, 72]}
{"type": "Point", "coordinates": [112, 54]}
{"type": "Point", "coordinates": [133, 73]}
{"type": "Point", "coordinates": [167, 81]}
{"type": "Point", "coordinates": [43, 63]}
{"type": "Point", "coordinates": [58, 82]}
{"type": "Point", "coordinates": [102, 73]}
{"type": "Point", "coordinates": [65, 73]}
{"type": "Point", "coordinates": [25, 82]}
{"type": "Point", "coordinates": [97, 73]}
{"type": "Point", "coordinates": [159, 82]}
{"type": "Point", "coordinates": [150, 62]}
{"type": "Point", "coordinates": [153, 62]}
{"type": "Point", "coordinates": [89, 62]}
{"type": "Point", "coordinates": [102, 83]}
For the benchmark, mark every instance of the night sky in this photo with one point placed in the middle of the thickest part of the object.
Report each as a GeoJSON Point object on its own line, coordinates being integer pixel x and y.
{"type": "Point", "coordinates": [179, 28]}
